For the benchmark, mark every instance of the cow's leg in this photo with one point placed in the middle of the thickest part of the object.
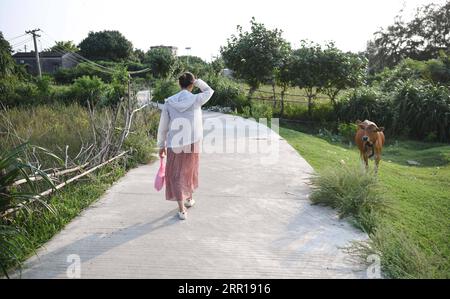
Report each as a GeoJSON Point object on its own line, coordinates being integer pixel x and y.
{"type": "Point", "coordinates": [365, 160]}
{"type": "Point", "coordinates": [377, 162]}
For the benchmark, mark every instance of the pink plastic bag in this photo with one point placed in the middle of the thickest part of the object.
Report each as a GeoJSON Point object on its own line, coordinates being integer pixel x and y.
{"type": "Point", "coordinates": [159, 179]}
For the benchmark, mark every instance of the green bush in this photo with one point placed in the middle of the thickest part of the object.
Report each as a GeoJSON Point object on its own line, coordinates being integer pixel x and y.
{"type": "Point", "coordinates": [353, 192]}
{"type": "Point", "coordinates": [14, 93]}
{"type": "Point", "coordinates": [347, 131]}
{"type": "Point", "coordinates": [227, 93]}
{"type": "Point", "coordinates": [436, 71]}
{"type": "Point", "coordinates": [141, 139]}
{"type": "Point", "coordinates": [261, 110]}
{"type": "Point", "coordinates": [141, 147]}
{"type": "Point", "coordinates": [422, 110]}
{"type": "Point", "coordinates": [321, 113]}
{"type": "Point", "coordinates": [90, 89]}
{"type": "Point", "coordinates": [163, 89]}
{"type": "Point", "coordinates": [366, 103]}
{"type": "Point", "coordinates": [68, 76]}
{"type": "Point", "coordinates": [295, 111]}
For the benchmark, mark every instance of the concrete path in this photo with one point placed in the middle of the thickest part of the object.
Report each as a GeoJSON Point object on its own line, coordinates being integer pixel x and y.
{"type": "Point", "coordinates": [252, 220]}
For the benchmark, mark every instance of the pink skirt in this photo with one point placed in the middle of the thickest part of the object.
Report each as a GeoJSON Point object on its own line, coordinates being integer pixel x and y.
{"type": "Point", "coordinates": [181, 172]}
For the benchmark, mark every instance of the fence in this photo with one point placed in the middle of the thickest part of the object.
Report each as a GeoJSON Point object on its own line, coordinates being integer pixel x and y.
{"type": "Point", "coordinates": [300, 99]}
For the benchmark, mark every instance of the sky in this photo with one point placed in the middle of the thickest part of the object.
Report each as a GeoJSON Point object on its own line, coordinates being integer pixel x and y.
{"type": "Point", "coordinates": [202, 25]}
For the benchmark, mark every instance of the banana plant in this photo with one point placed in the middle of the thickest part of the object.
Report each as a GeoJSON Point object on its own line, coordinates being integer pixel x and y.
{"type": "Point", "coordinates": [13, 167]}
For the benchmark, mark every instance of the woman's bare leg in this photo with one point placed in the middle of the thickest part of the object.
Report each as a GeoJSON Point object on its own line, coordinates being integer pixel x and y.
{"type": "Point", "coordinates": [181, 205]}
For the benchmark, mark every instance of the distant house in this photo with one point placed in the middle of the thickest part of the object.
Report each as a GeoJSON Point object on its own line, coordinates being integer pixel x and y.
{"type": "Point", "coordinates": [50, 61]}
{"type": "Point", "coordinates": [174, 50]}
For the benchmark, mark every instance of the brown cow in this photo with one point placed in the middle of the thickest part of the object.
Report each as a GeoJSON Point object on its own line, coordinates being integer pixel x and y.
{"type": "Point", "coordinates": [370, 140]}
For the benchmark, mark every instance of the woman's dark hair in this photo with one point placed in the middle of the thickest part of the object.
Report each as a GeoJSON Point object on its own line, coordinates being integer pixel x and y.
{"type": "Point", "coordinates": [186, 79]}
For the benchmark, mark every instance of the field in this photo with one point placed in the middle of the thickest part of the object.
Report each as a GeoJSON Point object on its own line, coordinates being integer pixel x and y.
{"type": "Point", "coordinates": [293, 94]}
{"type": "Point", "coordinates": [414, 236]}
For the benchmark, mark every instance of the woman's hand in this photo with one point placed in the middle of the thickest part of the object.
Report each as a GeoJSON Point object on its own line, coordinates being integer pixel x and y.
{"type": "Point", "coordinates": [162, 153]}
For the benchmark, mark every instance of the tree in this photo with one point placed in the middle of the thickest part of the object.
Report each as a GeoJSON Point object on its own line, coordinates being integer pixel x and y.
{"type": "Point", "coordinates": [253, 56]}
{"type": "Point", "coordinates": [192, 64]}
{"type": "Point", "coordinates": [67, 46]}
{"type": "Point", "coordinates": [138, 55]}
{"type": "Point", "coordinates": [341, 71]}
{"type": "Point", "coordinates": [421, 39]}
{"type": "Point", "coordinates": [283, 75]}
{"type": "Point", "coordinates": [7, 63]}
{"type": "Point", "coordinates": [106, 45]}
{"type": "Point", "coordinates": [307, 70]}
{"type": "Point", "coordinates": [161, 61]}
{"type": "Point", "coordinates": [217, 65]}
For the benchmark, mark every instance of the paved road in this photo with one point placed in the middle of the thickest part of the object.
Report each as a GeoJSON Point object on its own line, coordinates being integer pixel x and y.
{"type": "Point", "coordinates": [253, 219]}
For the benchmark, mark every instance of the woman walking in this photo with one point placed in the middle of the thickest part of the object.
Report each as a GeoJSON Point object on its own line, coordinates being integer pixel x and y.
{"type": "Point", "coordinates": [179, 137]}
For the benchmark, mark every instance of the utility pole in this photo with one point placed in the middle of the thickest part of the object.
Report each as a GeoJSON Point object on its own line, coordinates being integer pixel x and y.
{"type": "Point", "coordinates": [38, 61]}
{"type": "Point", "coordinates": [188, 52]}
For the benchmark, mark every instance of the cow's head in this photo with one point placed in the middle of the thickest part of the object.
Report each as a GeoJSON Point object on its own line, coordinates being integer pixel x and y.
{"type": "Point", "coordinates": [370, 129]}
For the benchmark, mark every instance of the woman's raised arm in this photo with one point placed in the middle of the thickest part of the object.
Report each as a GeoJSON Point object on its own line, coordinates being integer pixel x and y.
{"type": "Point", "coordinates": [205, 95]}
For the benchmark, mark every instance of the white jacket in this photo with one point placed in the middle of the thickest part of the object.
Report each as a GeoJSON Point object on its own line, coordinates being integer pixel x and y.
{"type": "Point", "coordinates": [181, 117]}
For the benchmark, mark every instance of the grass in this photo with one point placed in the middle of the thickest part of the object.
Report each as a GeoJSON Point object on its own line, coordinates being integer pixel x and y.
{"type": "Point", "coordinates": [353, 193]}
{"type": "Point", "coordinates": [54, 127]}
{"type": "Point", "coordinates": [292, 94]}
{"type": "Point", "coordinates": [413, 238]}
{"type": "Point", "coordinates": [41, 225]}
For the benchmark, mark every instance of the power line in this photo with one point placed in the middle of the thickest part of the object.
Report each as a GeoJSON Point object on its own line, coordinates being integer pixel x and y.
{"type": "Point", "coordinates": [98, 67]}
{"type": "Point", "coordinates": [79, 56]}
{"type": "Point", "coordinates": [21, 42]}
{"type": "Point", "coordinates": [11, 39]}
{"type": "Point", "coordinates": [75, 57]}
{"type": "Point", "coordinates": [78, 61]}
{"type": "Point", "coordinates": [140, 71]}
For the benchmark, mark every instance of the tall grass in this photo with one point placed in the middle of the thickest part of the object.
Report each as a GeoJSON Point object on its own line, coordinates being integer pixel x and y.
{"type": "Point", "coordinates": [402, 257]}
{"type": "Point", "coordinates": [53, 127]}
{"type": "Point", "coordinates": [352, 192]}
{"type": "Point", "coordinates": [64, 130]}
{"type": "Point", "coordinates": [411, 228]}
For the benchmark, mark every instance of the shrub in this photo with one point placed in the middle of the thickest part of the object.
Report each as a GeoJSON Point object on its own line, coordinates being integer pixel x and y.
{"type": "Point", "coordinates": [295, 111]}
{"type": "Point", "coordinates": [163, 89]}
{"type": "Point", "coordinates": [365, 103]}
{"type": "Point", "coordinates": [227, 93]}
{"type": "Point", "coordinates": [347, 131]}
{"type": "Point", "coordinates": [141, 147]}
{"type": "Point", "coordinates": [353, 192]}
{"type": "Point", "coordinates": [436, 71]}
{"type": "Point", "coordinates": [44, 84]}
{"type": "Point", "coordinates": [422, 109]}
{"type": "Point", "coordinates": [323, 113]}
{"type": "Point", "coordinates": [68, 76]}
{"type": "Point", "coordinates": [90, 89]}
{"type": "Point", "coordinates": [141, 139]}
{"type": "Point", "coordinates": [61, 94]}
{"type": "Point", "coordinates": [261, 110]}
